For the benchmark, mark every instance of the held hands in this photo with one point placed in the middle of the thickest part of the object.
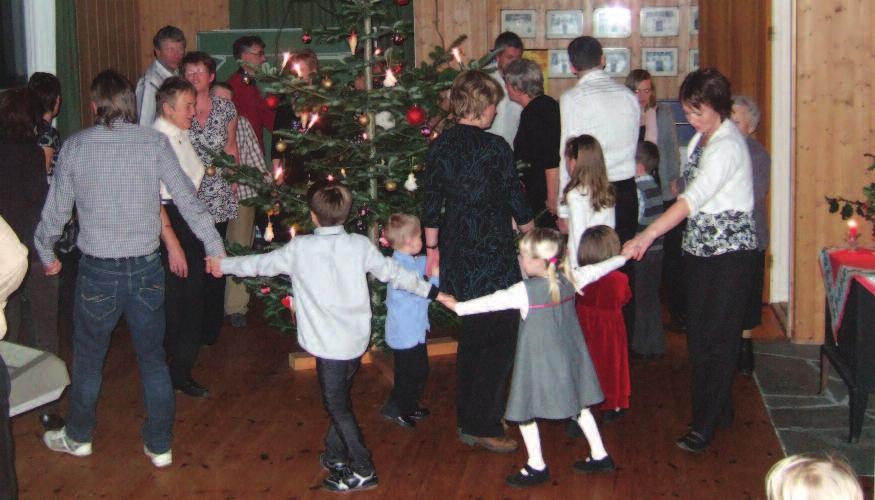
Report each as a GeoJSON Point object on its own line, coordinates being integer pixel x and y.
{"type": "Point", "coordinates": [432, 261]}
{"type": "Point", "coordinates": [53, 268]}
{"type": "Point", "coordinates": [637, 246]}
{"type": "Point", "coordinates": [447, 300]}
{"type": "Point", "coordinates": [214, 265]}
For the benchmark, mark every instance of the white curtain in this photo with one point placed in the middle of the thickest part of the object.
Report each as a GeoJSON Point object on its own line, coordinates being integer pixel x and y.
{"type": "Point", "coordinates": [39, 36]}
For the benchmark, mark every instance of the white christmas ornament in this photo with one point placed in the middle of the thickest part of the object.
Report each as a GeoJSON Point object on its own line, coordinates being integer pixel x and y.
{"type": "Point", "coordinates": [385, 120]}
{"type": "Point", "coordinates": [410, 183]}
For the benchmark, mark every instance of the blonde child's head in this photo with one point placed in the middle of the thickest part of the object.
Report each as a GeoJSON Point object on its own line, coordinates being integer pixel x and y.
{"type": "Point", "coordinates": [404, 233]}
{"type": "Point", "coordinates": [810, 477]}
{"type": "Point", "coordinates": [587, 171]}
{"type": "Point", "coordinates": [542, 249]}
{"type": "Point", "coordinates": [597, 243]}
{"type": "Point", "coordinates": [329, 202]}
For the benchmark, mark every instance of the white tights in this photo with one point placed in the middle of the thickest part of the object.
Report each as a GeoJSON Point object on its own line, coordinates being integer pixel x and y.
{"type": "Point", "coordinates": [587, 423]}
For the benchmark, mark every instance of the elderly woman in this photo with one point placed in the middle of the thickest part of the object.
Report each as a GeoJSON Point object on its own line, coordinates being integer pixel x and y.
{"type": "Point", "coordinates": [536, 144]}
{"type": "Point", "coordinates": [213, 131]}
{"type": "Point", "coordinates": [182, 253]}
{"type": "Point", "coordinates": [746, 116]}
{"type": "Point", "coordinates": [719, 246]}
{"type": "Point", "coordinates": [472, 196]}
{"type": "Point", "coordinates": [658, 127]}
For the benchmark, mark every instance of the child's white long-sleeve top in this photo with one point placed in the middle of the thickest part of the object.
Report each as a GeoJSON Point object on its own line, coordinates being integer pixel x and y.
{"type": "Point", "coordinates": [581, 216]}
{"type": "Point", "coordinates": [332, 300]}
{"type": "Point", "coordinates": [516, 297]}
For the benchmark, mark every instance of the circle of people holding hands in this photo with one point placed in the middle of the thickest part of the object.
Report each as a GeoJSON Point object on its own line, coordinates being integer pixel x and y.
{"type": "Point", "coordinates": [593, 182]}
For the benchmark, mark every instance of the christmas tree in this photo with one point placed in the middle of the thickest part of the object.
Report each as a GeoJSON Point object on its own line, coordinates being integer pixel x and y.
{"type": "Point", "coordinates": [366, 122]}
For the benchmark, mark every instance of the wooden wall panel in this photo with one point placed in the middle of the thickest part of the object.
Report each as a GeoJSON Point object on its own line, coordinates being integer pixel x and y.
{"type": "Point", "coordinates": [190, 17]}
{"type": "Point", "coordinates": [439, 22]}
{"type": "Point", "coordinates": [106, 31]}
{"type": "Point", "coordinates": [834, 124]}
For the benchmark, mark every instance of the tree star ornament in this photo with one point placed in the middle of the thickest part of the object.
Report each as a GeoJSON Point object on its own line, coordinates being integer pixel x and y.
{"type": "Point", "coordinates": [410, 183]}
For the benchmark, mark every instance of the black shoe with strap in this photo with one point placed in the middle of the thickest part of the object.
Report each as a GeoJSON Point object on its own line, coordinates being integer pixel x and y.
{"type": "Point", "coordinates": [592, 466]}
{"type": "Point", "coordinates": [528, 476]}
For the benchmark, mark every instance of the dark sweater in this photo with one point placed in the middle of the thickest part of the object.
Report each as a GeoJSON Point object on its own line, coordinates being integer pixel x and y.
{"type": "Point", "coordinates": [23, 189]}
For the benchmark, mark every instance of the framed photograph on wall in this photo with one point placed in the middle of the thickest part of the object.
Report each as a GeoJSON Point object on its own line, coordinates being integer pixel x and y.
{"type": "Point", "coordinates": [612, 22]}
{"type": "Point", "coordinates": [618, 61]}
{"type": "Point", "coordinates": [521, 22]}
{"type": "Point", "coordinates": [660, 21]}
{"type": "Point", "coordinates": [559, 65]}
{"type": "Point", "coordinates": [694, 20]}
{"type": "Point", "coordinates": [660, 61]}
{"type": "Point", "coordinates": [564, 23]}
{"type": "Point", "coordinates": [694, 60]}
{"type": "Point", "coordinates": [542, 57]}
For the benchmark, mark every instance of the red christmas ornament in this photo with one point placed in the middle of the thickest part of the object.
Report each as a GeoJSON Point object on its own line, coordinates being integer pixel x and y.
{"type": "Point", "coordinates": [397, 39]}
{"type": "Point", "coordinates": [323, 109]}
{"type": "Point", "coordinates": [272, 101]}
{"type": "Point", "coordinates": [265, 290]}
{"type": "Point", "coordinates": [415, 115]}
{"type": "Point", "coordinates": [397, 69]}
{"type": "Point", "coordinates": [306, 38]}
{"type": "Point", "coordinates": [288, 302]}
{"type": "Point", "coordinates": [402, 3]}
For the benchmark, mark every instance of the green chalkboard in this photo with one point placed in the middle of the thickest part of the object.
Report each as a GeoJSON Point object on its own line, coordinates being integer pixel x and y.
{"type": "Point", "coordinates": [219, 44]}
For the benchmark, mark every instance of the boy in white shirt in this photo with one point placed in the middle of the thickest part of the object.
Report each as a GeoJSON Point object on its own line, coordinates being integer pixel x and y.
{"type": "Point", "coordinates": [333, 313]}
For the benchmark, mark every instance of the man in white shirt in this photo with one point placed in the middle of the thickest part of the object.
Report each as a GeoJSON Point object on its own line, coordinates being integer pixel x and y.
{"type": "Point", "coordinates": [507, 112]}
{"type": "Point", "coordinates": [169, 45]}
{"type": "Point", "coordinates": [608, 111]}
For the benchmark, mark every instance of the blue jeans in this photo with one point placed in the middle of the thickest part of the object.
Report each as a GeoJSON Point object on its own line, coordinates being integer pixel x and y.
{"type": "Point", "coordinates": [344, 439]}
{"type": "Point", "coordinates": [105, 289]}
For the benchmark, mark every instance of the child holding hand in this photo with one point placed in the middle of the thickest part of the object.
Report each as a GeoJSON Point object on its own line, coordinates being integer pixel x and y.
{"type": "Point", "coordinates": [333, 313]}
{"type": "Point", "coordinates": [553, 376]}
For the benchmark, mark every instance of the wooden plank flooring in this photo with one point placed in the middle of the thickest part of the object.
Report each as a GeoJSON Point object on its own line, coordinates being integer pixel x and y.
{"type": "Point", "coordinates": [259, 434]}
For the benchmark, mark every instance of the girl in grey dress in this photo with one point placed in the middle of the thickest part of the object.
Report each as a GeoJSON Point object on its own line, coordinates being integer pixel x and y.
{"type": "Point", "coordinates": [553, 375]}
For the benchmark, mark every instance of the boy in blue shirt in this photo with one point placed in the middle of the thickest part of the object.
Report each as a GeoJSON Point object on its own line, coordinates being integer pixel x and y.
{"type": "Point", "coordinates": [407, 325]}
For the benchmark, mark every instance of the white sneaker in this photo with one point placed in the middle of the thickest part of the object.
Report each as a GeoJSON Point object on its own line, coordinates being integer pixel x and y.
{"type": "Point", "coordinates": [159, 459]}
{"type": "Point", "coordinates": [58, 441]}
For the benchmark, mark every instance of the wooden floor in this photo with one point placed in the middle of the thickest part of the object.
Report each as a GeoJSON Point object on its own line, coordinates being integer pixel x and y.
{"type": "Point", "coordinates": [260, 432]}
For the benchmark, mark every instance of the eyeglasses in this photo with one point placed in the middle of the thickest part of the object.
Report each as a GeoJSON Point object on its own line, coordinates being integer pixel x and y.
{"type": "Point", "coordinates": [193, 72]}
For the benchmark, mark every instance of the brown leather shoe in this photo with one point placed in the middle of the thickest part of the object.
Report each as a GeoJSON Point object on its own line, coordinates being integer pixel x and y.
{"type": "Point", "coordinates": [500, 444]}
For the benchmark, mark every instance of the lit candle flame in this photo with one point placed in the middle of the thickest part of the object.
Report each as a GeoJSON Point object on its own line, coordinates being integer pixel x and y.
{"type": "Point", "coordinates": [457, 55]}
{"type": "Point", "coordinates": [343, 172]}
{"type": "Point", "coordinates": [268, 233]}
{"type": "Point", "coordinates": [292, 231]}
{"type": "Point", "coordinates": [286, 57]}
{"type": "Point", "coordinates": [852, 228]}
{"type": "Point", "coordinates": [313, 119]}
{"type": "Point", "coordinates": [330, 178]}
{"type": "Point", "coordinates": [277, 172]}
{"type": "Point", "coordinates": [297, 69]}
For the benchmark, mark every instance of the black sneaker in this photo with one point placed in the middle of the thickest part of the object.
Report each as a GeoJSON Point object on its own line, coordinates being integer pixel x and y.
{"type": "Point", "coordinates": [330, 464]}
{"type": "Point", "coordinates": [692, 442]}
{"type": "Point", "coordinates": [387, 411]}
{"type": "Point", "coordinates": [591, 465]}
{"type": "Point", "coordinates": [346, 479]}
{"type": "Point", "coordinates": [528, 476]}
{"type": "Point", "coordinates": [420, 413]}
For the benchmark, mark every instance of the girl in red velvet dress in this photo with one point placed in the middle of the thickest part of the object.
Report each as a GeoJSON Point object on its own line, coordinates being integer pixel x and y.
{"type": "Point", "coordinates": [600, 310]}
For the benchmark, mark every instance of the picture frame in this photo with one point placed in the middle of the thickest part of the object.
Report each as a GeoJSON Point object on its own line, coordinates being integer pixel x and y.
{"type": "Point", "coordinates": [660, 61]}
{"type": "Point", "coordinates": [660, 21]}
{"type": "Point", "coordinates": [521, 22]}
{"type": "Point", "coordinates": [542, 58]}
{"type": "Point", "coordinates": [693, 63]}
{"type": "Point", "coordinates": [564, 24]}
{"type": "Point", "coordinates": [618, 61]}
{"type": "Point", "coordinates": [694, 20]}
{"type": "Point", "coordinates": [559, 66]}
{"type": "Point", "coordinates": [612, 22]}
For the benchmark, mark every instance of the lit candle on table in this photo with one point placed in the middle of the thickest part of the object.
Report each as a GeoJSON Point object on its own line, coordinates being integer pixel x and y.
{"type": "Point", "coordinates": [852, 233]}
{"type": "Point", "coordinates": [457, 55]}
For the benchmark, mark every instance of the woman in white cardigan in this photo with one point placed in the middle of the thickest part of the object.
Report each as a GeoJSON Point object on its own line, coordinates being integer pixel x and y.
{"type": "Point", "coordinates": [719, 246]}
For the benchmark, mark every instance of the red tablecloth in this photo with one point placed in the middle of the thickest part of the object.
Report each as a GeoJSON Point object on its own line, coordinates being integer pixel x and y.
{"type": "Point", "coordinates": [840, 266]}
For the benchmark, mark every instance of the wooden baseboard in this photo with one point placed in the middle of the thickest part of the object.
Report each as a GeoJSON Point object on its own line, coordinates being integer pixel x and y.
{"type": "Point", "coordinates": [436, 347]}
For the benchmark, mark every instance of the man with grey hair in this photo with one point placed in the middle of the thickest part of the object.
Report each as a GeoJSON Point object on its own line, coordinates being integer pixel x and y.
{"type": "Point", "coordinates": [112, 172]}
{"type": "Point", "coordinates": [746, 116]}
{"type": "Point", "coordinates": [536, 144]}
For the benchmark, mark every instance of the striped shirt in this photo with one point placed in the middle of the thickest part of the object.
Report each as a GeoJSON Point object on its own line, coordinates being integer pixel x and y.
{"type": "Point", "coordinates": [113, 176]}
{"type": "Point", "coordinates": [250, 155]}
{"type": "Point", "coordinates": [650, 205]}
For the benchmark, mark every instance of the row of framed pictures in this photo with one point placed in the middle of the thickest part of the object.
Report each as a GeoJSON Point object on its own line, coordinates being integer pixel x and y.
{"type": "Point", "coordinates": [659, 61]}
{"type": "Point", "coordinates": [607, 22]}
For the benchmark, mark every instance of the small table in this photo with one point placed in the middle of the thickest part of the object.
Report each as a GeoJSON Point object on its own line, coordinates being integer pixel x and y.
{"type": "Point", "coordinates": [849, 337]}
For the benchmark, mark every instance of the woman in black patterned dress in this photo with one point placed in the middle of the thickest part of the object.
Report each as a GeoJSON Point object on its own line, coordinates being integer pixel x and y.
{"type": "Point", "coordinates": [472, 196]}
{"type": "Point", "coordinates": [719, 245]}
{"type": "Point", "coordinates": [213, 131]}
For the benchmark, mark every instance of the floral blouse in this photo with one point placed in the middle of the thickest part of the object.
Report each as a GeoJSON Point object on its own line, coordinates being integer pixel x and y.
{"type": "Point", "coordinates": [48, 137]}
{"type": "Point", "coordinates": [707, 234]}
{"type": "Point", "coordinates": [210, 139]}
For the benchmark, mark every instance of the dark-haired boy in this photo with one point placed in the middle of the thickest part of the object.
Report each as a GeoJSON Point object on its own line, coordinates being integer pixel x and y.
{"type": "Point", "coordinates": [333, 312]}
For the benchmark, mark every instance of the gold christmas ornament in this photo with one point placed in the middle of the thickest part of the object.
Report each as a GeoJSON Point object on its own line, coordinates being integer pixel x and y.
{"type": "Point", "coordinates": [281, 146]}
{"type": "Point", "coordinates": [391, 185]}
{"type": "Point", "coordinates": [211, 170]}
{"type": "Point", "coordinates": [364, 120]}
{"type": "Point", "coordinates": [327, 83]}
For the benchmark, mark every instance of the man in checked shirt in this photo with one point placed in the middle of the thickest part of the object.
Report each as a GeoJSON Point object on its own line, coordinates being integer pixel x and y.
{"type": "Point", "coordinates": [112, 173]}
